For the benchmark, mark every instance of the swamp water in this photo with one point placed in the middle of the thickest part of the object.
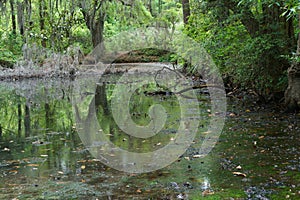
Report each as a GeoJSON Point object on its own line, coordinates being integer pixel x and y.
{"type": "Point", "coordinates": [42, 156]}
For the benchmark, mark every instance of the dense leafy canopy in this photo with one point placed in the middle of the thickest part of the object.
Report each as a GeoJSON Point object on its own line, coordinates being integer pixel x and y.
{"type": "Point", "coordinates": [252, 41]}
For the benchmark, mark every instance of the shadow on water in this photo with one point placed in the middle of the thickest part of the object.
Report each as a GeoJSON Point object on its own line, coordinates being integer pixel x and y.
{"type": "Point", "coordinates": [42, 156]}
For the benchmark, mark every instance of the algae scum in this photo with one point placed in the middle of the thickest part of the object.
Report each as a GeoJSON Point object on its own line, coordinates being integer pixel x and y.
{"type": "Point", "coordinates": [42, 157]}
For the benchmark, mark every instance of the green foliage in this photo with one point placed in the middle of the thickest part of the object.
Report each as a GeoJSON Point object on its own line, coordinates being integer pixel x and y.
{"type": "Point", "coordinates": [81, 37]}
{"type": "Point", "coordinates": [169, 17]}
{"type": "Point", "coordinates": [291, 8]}
{"type": "Point", "coordinates": [255, 60]}
{"type": "Point", "coordinates": [245, 60]}
{"type": "Point", "coordinates": [7, 56]}
{"type": "Point", "coordinates": [58, 25]}
{"type": "Point", "coordinates": [122, 18]}
{"type": "Point", "coordinates": [10, 47]}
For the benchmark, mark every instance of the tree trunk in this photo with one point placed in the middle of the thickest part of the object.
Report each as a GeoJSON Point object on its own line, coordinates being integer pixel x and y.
{"type": "Point", "coordinates": [150, 7]}
{"type": "Point", "coordinates": [27, 17]}
{"type": "Point", "coordinates": [13, 17]}
{"type": "Point", "coordinates": [292, 93]}
{"type": "Point", "coordinates": [159, 6]}
{"type": "Point", "coordinates": [97, 32]}
{"type": "Point", "coordinates": [186, 11]}
{"type": "Point", "coordinates": [94, 20]}
{"type": "Point", "coordinates": [21, 17]}
{"type": "Point", "coordinates": [42, 13]}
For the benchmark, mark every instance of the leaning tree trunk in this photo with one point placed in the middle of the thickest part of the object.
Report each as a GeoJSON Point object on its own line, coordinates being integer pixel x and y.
{"type": "Point", "coordinates": [292, 93]}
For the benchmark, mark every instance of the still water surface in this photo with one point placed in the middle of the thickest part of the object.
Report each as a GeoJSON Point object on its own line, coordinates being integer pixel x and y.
{"type": "Point", "coordinates": [42, 155]}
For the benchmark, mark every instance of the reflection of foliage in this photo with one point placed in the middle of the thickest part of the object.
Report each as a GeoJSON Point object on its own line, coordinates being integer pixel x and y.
{"type": "Point", "coordinates": [9, 112]}
{"type": "Point", "coordinates": [46, 113]}
{"type": "Point", "coordinates": [139, 108]}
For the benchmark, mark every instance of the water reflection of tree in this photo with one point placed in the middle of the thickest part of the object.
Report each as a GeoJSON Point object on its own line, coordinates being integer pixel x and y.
{"type": "Point", "coordinates": [101, 99]}
{"type": "Point", "coordinates": [22, 115]}
{"type": "Point", "coordinates": [19, 118]}
{"type": "Point", "coordinates": [27, 120]}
